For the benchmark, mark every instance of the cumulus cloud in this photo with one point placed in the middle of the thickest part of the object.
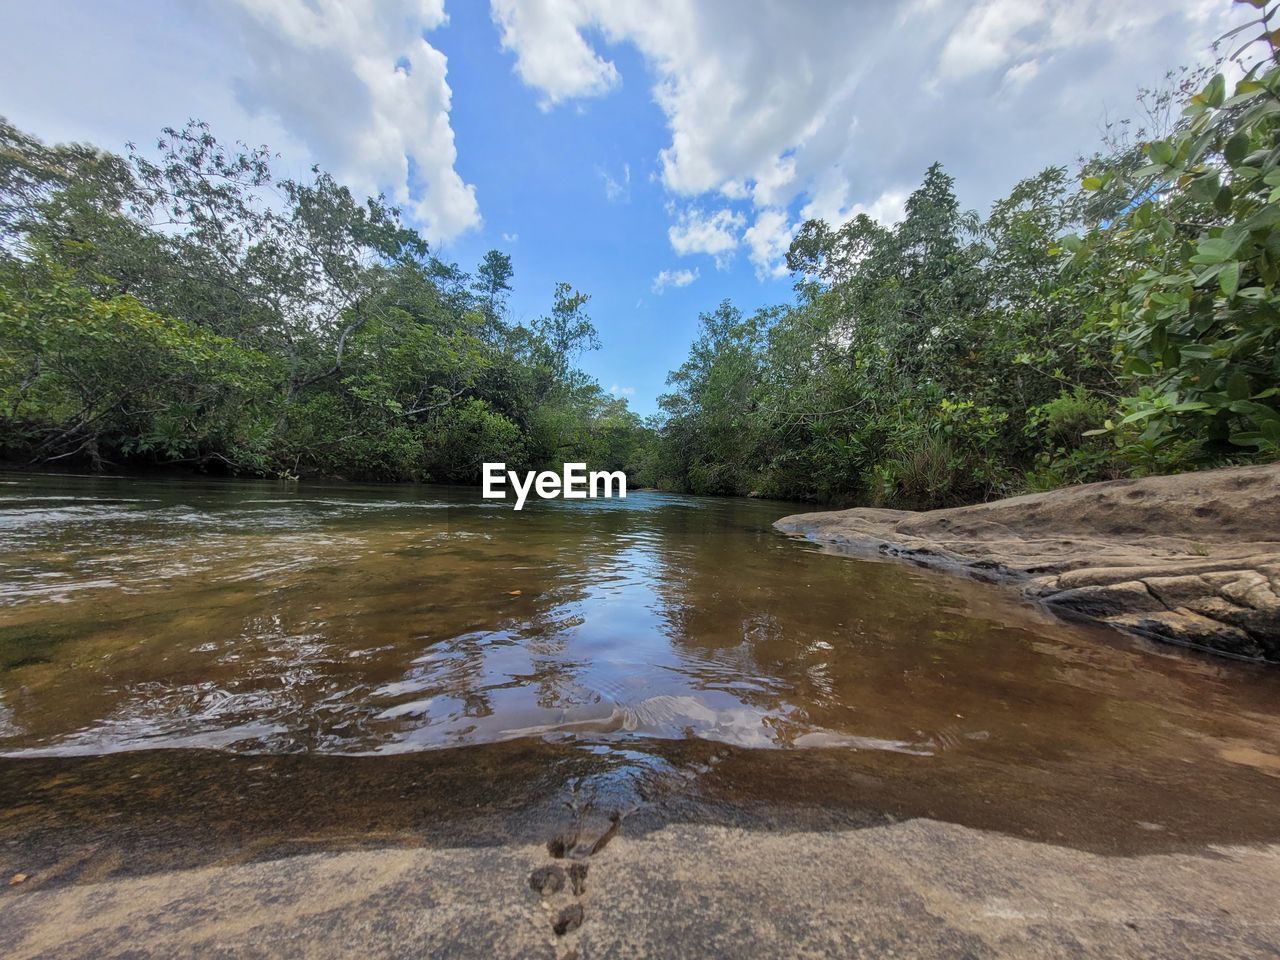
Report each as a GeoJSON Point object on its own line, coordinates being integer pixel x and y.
{"type": "Point", "coordinates": [767, 240]}
{"type": "Point", "coordinates": [673, 278]}
{"type": "Point", "coordinates": [618, 391]}
{"type": "Point", "coordinates": [776, 112]}
{"type": "Point", "coordinates": [716, 234]}
{"type": "Point", "coordinates": [355, 82]}
{"type": "Point", "coordinates": [552, 56]}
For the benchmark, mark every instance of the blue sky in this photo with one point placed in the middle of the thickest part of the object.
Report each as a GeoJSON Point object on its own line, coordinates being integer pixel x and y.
{"type": "Point", "coordinates": [607, 143]}
{"type": "Point", "coordinates": [575, 185]}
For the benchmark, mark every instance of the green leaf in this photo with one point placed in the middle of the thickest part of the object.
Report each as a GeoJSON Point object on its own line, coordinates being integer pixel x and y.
{"type": "Point", "coordinates": [1237, 148]}
{"type": "Point", "coordinates": [1160, 152]}
{"type": "Point", "coordinates": [1215, 250]}
{"type": "Point", "coordinates": [1250, 439]}
{"type": "Point", "coordinates": [1238, 386]}
{"type": "Point", "coordinates": [1229, 278]}
{"type": "Point", "coordinates": [1196, 351]}
{"type": "Point", "coordinates": [1266, 217]}
{"type": "Point", "coordinates": [1205, 187]}
{"type": "Point", "coordinates": [1216, 91]}
{"type": "Point", "coordinates": [1137, 366]}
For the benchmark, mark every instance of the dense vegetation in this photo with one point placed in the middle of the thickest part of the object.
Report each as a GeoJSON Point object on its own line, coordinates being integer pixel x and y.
{"type": "Point", "coordinates": [1121, 322]}
{"type": "Point", "coordinates": [195, 311]}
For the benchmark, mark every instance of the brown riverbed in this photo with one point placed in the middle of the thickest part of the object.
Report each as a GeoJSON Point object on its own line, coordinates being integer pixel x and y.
{"type": "Point", "coordinates": [198, 672]}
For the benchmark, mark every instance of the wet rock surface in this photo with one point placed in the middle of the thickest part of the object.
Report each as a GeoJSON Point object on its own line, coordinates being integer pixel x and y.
{"type": "Point", "coordinates": [1192, 559]}
{"type": "Point", "coordinates": [913, 889]}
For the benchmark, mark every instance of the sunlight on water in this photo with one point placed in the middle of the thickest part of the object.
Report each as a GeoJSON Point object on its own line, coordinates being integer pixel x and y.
{"type": "Point", "coordinates": [252, 618]}
{"type": "Point", "coordinates": [337, 641]}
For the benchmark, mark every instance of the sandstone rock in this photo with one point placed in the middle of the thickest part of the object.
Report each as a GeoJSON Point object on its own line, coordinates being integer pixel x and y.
{"type": "Point", "coordinates": [1191, 559]}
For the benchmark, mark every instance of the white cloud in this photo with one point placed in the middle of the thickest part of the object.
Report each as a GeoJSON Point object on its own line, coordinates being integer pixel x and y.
{"type": "Point", "coordinates": [355, 81]}
{"type": "Point", "coordinates": [990, 34]}
{"type": "Point", "coordinates": [673, 278]}
{"type": "Point", "coordinates": [510, 238]}
{"type": "Point", "coordinates": [1023, 72]}
{"type": "Point", "coordinates": [830, 203]}
{"type": "Point", "coordinates": [551, 54]}
{"type": "Point", "coordinates": [617, 189]}
{"type": "Point", "coordinates": [767, 240]}
{"type": "Point", "coordinates": [716, 234]}
{"type": "Point", "coordinates": [775, 108]}
{"type": "Point", "coordinates": [618, 391]}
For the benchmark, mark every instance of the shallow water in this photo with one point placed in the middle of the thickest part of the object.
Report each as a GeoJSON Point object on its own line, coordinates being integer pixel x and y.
{"type": "Point", "coordinates": [674, 647]}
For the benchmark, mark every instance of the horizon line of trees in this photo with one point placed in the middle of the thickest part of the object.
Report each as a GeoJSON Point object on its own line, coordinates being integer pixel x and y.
{"type": "Point", "coordinates": [192, 311]}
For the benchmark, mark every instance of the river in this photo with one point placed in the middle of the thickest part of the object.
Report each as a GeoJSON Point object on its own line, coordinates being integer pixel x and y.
{"type": "Point", "coordinates": [190, 668]}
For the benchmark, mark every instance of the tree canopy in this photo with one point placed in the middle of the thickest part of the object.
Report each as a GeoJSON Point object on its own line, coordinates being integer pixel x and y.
{"type": "Point", "coordinates": [1121, 321]}
{"type": "Point", "coordinates": [191, 309]}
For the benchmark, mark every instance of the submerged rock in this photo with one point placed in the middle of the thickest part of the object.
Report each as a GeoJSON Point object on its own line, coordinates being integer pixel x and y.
{"type": "Point", "coordinates": [1191, 559]}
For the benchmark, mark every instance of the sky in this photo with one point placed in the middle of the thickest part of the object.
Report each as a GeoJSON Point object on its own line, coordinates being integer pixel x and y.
{"type": "Point", "coordinates": [658, 155]}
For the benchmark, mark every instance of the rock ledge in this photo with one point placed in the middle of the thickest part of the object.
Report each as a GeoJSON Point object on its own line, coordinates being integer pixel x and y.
{"type": "Point", "coordinates": [1192, 559]}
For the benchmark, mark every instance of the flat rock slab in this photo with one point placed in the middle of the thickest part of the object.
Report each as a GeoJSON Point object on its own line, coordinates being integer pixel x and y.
{"type": "Point", "coordinates": [1191, 559]}
{"type": "Point", "coordinates": [919, 888]}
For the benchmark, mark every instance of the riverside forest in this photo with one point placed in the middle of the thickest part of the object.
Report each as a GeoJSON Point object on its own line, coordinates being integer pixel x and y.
{"type": "Point", "coordinates": [181, 308]}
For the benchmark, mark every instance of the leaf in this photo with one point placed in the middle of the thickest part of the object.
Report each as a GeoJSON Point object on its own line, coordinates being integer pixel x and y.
{"type": "Point", "coordinates": [17, 878]}
{"type": "Point", "coordinates": [1247, 439]}
{"type": "Point", "coordinates": [1091, 183]}
{"type": "Point", "coordinates": [1160, 152]}
{"type": "Point", "coordinates": [1237, 148]}
{"type": "Point", "coordinates": [1238, 386]}
{"type": "Point", "coordinates": [1216, 91]}
{"type": "Point", "coordinates": [1139, 415]}
{"type": "Point", "coordinates": [1196, 351]}
{"type": "Point", "coordinates": [1229, 278]}
{"type": "Point", "coordinates": [1139, 367]}
{"type": "Point", "coordinates": [1215, 250]}
{"type": "Point", "coordinates": [1266, 217]}
{"type": "Point", "coordinates": [1205, 187]}
{"type": "Point", "coordinates": [1208, 274]}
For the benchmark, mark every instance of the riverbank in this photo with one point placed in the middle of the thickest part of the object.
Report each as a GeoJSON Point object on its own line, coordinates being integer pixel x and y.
{"type": "Point", "coordinates": [914, 889]}
{"type": "Point", "coordinates": [1192, 559]}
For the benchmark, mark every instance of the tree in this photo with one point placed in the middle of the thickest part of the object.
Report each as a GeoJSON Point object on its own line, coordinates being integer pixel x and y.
{"type": "Point", "coordinates": [568, 330]}
{"type": "Point", "coordinates": [183, 307]}
{"type": "Point", "coordinates": [493, 283]}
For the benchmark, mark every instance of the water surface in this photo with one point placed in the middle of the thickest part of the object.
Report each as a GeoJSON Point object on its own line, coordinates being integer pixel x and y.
{"type": "Point", "coordinates": [678, 647]}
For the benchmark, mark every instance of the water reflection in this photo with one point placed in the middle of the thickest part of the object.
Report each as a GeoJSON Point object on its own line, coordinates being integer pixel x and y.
{"type": "Point", "coordinates": [249, 618]}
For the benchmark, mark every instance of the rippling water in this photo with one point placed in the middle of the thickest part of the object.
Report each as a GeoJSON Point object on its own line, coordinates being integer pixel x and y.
{"type": "Point", "coordinates": [363, 621]}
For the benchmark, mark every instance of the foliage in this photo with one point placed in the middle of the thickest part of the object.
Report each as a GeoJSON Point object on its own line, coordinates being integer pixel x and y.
{"type": "Point", "coordinates": [1122, 322]}
{"type": "Point", "coordinates": [191, 310]}
{"type": "Point", "coordinates": [1181, 285]}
